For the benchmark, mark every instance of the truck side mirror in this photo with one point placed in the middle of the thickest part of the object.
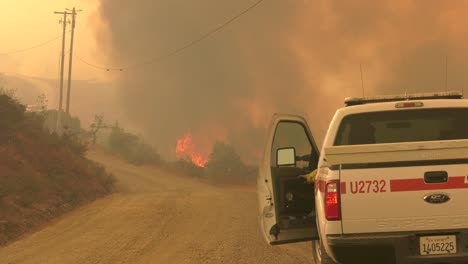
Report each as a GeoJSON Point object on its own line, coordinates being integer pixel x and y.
{"type": "Point", "coordinates": [285, 157]}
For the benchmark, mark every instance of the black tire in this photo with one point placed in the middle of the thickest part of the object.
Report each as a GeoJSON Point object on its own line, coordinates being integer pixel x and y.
{"type": "Point", "coordinates": [319, 254]}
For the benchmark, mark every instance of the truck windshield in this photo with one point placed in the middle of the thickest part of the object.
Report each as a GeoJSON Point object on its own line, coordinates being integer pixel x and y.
{"type": "Point", "coordinates": [403, 126]}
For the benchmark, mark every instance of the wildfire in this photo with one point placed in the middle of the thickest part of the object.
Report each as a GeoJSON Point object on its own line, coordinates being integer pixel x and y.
{"type": "Point", "coordinates": [186, 149]}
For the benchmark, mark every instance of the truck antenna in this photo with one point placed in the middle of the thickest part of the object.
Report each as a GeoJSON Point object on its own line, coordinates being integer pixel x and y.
{"type": "Point", "coordinates": [362, 80]}
{"type": "Point", "coordinates": [446, 72]}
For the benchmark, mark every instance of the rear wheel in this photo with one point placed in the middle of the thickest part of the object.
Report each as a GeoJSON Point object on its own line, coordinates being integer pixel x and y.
{"type": "Point", "coordinates": [319, 254]}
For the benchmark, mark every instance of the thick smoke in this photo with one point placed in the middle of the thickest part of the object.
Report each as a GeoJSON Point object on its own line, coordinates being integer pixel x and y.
{"type": "Point", "coordinates": [295, 56]}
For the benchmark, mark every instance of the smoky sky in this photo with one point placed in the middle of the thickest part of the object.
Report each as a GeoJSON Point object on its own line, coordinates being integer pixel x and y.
{"type": "Point", "coordinates": [295, 56]}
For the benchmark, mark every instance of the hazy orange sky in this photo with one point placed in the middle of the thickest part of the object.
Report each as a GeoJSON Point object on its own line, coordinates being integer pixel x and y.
{"type": "Point", "coordinates": [290, 56]}
{"type": "Point", "coordinates": [26, 23]}
{"type": "Point", "coordinates": [300, 57]}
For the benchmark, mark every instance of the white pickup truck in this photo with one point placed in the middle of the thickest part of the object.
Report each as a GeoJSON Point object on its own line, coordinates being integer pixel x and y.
{"type": "Point", "coordinates": [391, 187]}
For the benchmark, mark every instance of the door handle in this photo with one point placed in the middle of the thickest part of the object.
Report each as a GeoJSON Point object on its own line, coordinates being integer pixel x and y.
{"type": "Point", "coordinates": [268, 200]}
{"type": "Point", "coordinates": [435, 177]}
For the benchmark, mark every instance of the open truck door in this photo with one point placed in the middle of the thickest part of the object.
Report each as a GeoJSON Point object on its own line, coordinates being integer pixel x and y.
{"type": "Point", "coordinates": [286, 201]}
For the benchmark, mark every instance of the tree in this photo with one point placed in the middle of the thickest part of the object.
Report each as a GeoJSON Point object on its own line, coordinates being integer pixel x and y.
{"type": "Point", "coordinates": [41, 102]}
{"type": "Point", "coordinates": [225, 163]}
{"type": "Point", "coordinates": [12, 115]}
{"type": "Point", "coordinates": [121, 141]}
{"type": "Point", "coordinates": [71, 123]}
{"type": "Point", "coordinates": [11, 93]}
{"type": "Point", "coordinates": [96, 126]}
{"type": "Point", "coordinates": [131, 147]}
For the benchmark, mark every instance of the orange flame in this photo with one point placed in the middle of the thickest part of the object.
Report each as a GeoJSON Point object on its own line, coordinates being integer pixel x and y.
{"type": "Point", "coordinates": [186, 149]}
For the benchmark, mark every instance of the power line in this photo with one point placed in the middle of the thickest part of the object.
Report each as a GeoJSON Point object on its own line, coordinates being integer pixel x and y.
{"type": "Point", "coordinates": [33, 47]}
{"type": "Point", "coordinates": [178, 50]}
{"type": "Point", "coordinates": [97, 66]}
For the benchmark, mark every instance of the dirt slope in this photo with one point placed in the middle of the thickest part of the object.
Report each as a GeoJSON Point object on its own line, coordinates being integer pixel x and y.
{"type": "Point", "coordinates": [156, 218]}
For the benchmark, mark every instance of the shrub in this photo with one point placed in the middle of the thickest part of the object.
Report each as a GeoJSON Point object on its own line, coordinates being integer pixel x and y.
{"type": "Point", "coordinates": [187, 168]}
{"type": "Point", "coordinates": [131, 147]}
{"type": "Point", "coordinates": [11, 117]}
{"type": "Point", "coordinates": [226, 165]}
{"type": "Point", "coordinates": [73, 124]}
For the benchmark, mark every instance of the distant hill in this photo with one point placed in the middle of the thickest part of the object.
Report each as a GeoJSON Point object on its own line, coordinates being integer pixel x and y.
{"type": "Point", "coordinates": [88, 96]}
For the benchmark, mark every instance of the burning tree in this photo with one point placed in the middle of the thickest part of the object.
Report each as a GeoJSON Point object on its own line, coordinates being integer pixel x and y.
{"type": "Point", "coordinates": [223, 164]}
{"type": "Point", "coordinates": [186, 149]}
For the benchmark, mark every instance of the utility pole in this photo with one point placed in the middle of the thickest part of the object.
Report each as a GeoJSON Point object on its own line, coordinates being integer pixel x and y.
{"type": "Point", "coordinates": [58, 128]}
{"type": "Point", "coordinates": [74, 12]}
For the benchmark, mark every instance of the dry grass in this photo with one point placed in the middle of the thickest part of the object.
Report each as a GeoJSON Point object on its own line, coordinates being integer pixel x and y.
{"type": "Point", "coordinates": [42, 176]}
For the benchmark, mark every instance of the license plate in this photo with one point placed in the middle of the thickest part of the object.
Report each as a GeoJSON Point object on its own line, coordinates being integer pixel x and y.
{"type": "Point", "coordinates": [438, 245]}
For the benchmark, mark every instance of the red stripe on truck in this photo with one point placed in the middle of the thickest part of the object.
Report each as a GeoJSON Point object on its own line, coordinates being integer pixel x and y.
{"type": "Point", "coordinates": [405, 185]}
{"type": "Point", "coordinates": [343, 188]}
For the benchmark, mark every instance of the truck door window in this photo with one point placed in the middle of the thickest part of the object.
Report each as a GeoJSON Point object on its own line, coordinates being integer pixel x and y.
{"type": "Point", "coordinates": [293, 135]}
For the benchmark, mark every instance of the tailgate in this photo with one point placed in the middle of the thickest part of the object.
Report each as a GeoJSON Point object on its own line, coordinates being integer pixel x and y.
{"type": "Point", "coordinates": [421, 186]}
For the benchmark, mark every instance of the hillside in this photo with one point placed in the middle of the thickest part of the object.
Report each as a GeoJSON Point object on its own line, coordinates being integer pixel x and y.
{"type": "Point", "coordinates": [42, 175]}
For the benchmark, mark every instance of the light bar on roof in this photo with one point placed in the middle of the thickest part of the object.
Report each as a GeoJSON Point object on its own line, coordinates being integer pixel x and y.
{"type": "Point", "coordinates": [349, 101]}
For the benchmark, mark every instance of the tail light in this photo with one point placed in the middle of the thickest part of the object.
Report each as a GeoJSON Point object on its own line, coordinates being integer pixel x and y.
{"type": "Point", "coordinates": [332, 200]}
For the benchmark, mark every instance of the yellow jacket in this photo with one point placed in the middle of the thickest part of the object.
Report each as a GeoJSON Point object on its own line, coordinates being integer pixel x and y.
{"type": "Point", "coordinates": [310, 177]}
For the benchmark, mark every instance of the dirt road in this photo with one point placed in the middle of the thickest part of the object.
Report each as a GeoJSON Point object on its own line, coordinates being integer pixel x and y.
{"type": "Point", "coordinates": [156, 218]}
